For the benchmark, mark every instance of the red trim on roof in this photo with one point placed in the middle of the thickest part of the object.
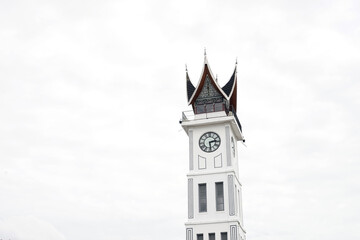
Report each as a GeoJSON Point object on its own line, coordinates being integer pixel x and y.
{"type": "Point", "coordinates": [206, 72]}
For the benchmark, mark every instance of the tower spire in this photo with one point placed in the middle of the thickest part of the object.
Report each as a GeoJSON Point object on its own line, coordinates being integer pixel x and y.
{"type": "Point", "coordinates": [205, 57]}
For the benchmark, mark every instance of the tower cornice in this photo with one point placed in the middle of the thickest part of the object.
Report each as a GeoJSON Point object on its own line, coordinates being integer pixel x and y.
{"type": "Point", "coordinates": [211, 119]}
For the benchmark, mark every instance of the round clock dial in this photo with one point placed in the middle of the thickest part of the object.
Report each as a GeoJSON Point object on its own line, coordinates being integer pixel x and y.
{"type": "Point", "coordinates": [209, 142]}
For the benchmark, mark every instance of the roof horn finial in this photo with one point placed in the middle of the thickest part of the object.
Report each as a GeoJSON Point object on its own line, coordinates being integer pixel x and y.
{"type": "Point", "coordinates": [236, 62]}
{"type": "Point", "coordinates": [205, 58]}
{"type": "Point", "coordinates": [186, 68]}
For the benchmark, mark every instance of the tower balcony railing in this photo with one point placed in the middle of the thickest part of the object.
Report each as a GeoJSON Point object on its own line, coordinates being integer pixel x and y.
{"type": "Point", "coordinates": [190, 115]}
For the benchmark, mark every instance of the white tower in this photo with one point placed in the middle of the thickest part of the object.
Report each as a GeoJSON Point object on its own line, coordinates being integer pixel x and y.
{"type": "Point", "coordinates": [214, 189]}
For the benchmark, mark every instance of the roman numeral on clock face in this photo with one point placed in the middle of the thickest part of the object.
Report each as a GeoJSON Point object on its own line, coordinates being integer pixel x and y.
{"type": "Point", "coordinates": [209, 142]}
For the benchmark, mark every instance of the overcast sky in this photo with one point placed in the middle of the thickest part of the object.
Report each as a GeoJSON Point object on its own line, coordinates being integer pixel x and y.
{"type": "Point", "coordinates": [91, 93]}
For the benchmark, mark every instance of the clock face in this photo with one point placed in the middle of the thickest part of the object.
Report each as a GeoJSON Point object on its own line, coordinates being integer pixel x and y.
{"type": "Point", "coordinates": [209, 142]}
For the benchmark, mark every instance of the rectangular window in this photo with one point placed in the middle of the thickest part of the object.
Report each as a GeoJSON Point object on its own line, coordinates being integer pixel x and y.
{"type": "Point", "coordinates": [219, 189]}
{"type": "Point", "coordinates": [211, 236]}
{"type": "Point", "coordinates": [202, 198]}
{"type": "Point", "coordinates": [224, 236]}
{"type": "Point", "coordinates": [200, 237]}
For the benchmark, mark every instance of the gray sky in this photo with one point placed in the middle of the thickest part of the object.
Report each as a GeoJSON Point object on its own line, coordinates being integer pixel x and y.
{"type": "Point", "coordinates": [91, 93]}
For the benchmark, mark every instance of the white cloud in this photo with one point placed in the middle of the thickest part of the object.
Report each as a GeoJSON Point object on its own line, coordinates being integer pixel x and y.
{"type": "Point", "coordinates": [91, 94]}
{"type": "Point", "coordinates": [28, 228]}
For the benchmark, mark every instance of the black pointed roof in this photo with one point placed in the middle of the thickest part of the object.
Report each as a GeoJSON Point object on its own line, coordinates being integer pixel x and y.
{"type": "Point", "coordinates": [230, 88]}
{"type": "Point", "coordinates": [229, 85]}
{"type": "Point", "coordinates": [189, 87]}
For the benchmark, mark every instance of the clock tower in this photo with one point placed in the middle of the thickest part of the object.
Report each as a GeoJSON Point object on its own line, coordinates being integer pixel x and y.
{"type": "Point", "coordinates": [214, 188]}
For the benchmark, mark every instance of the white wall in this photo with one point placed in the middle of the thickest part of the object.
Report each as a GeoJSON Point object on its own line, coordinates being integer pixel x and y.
{"type": "Point", "coordinates": [205, 171]}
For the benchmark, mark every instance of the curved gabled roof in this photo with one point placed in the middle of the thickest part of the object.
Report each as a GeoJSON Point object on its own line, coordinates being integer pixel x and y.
{"type": "Point", "coordinates": [205, 72]}
{"type": "Point", "coordinates": [228, 91]}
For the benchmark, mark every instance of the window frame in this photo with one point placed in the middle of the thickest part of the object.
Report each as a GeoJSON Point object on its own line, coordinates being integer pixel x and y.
{"type": "Point", "coordinates": [202, 199]}
{"type": "Point", "coordinates": [220, 206]}
{"type": "Point", "coordinates": [222, 234]}
{"type": "Point", "coordinates": [212, 235]}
